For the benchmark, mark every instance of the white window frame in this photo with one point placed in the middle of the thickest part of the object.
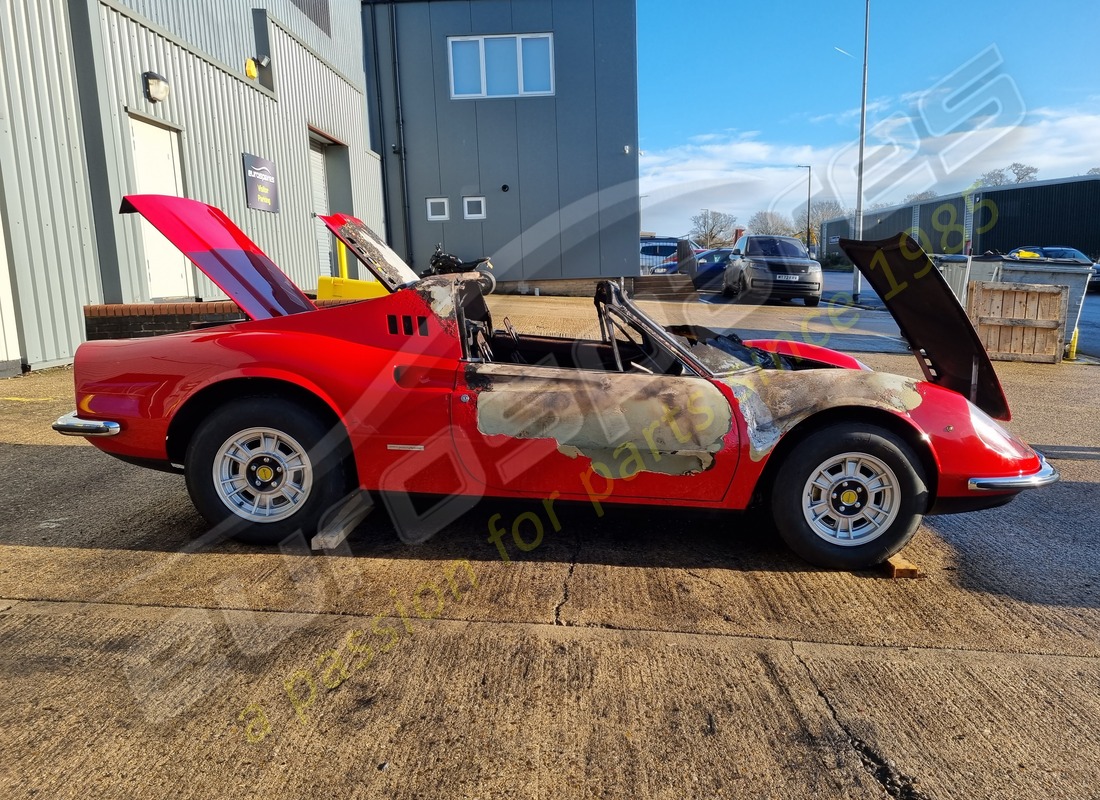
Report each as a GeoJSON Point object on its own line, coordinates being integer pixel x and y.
{"type": "Point", "coordinates": [446, 209]}
{"type": "Point", "coordinates": [466, 207]}
{"type": "Point", "coordinates": [518, 37]}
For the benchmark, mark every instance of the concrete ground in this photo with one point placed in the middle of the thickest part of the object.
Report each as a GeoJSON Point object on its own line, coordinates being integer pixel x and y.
{"type": "Point", "coordinates": [650, 653]}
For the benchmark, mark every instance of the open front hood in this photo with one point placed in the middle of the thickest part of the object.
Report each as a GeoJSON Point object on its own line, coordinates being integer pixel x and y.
{"type": "Point", "coordinates": [225, 255]}
{"type": "Point", "coordinates": [374, 254]}
{"type": "Point", "coordinates": [930, 318]}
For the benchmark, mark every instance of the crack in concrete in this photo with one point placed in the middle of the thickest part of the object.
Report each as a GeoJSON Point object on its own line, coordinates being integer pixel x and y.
{"type": "Point", "coordinates": [566, 581]}
{"type": "Point", "coordinates": [895, 782]}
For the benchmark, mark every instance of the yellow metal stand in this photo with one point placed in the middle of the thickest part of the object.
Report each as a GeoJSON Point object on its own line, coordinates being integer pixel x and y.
{"type": "Point", "coordinates": [343, 287]}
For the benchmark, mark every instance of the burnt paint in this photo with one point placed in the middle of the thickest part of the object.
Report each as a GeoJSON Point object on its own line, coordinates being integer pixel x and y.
{"type": "Point", "coordinates": [681, 421]}
{"type": "Point", "coordinates": [772, 402]}
{"type": "Point", "coordinates": [374, 253]}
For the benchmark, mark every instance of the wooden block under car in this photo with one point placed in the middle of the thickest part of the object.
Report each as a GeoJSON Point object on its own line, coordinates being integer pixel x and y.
{"type": "Point", "coordinates": [898, 567]}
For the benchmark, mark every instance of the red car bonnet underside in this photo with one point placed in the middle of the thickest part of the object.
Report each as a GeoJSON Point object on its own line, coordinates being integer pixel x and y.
{"type": "Point", "coordinates": [930, 318]}
{"type": "Point", "coordinates": [221, 250]}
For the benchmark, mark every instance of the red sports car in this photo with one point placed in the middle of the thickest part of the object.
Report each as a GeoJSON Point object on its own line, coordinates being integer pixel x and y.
{"type": "Point", "coordinates": [277, 420]}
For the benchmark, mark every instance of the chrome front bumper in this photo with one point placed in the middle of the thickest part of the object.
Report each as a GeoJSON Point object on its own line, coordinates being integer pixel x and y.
{"type": "Point", "coordinates": [72, 425]}
{"type": "Point", "coordinates": [1044, 477]}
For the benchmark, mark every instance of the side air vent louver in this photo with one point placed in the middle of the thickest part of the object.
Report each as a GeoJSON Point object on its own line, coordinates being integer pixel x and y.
{"type": "Point", "coordinates": [405, 325]}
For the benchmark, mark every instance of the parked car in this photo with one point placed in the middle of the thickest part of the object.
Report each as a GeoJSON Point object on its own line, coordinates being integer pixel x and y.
{"type": "Point", "coordinates": [762, 267]}
{"type": "Point", "coordinates": [279, 421]}
{"type": "Point", "coordinates": [1059, 253]}
{"type": "Point", "coordinates": [709, 268]}
{"type": "Point", "coordinates": [706, 261]}
{"type": "Point", "coordinates": [660, 255]}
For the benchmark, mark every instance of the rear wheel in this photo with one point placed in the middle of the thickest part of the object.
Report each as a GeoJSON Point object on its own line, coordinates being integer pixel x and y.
{"type": "Point", "coordinates": [849, 497]}
{"type": "Point", "coordinates": [487, 281]}
{"type": "Point", "coordinates": [264, 467]}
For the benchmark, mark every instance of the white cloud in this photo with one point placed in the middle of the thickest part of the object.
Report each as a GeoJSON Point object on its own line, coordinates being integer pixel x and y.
{"type": "Point", "coordinates": [740, 175]}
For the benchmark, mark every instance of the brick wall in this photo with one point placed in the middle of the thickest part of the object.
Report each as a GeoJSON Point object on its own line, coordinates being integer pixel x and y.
{"type": "Point", "coordinates": [135, 320]}
{"type": "Point", "coordinates": [566, 287]}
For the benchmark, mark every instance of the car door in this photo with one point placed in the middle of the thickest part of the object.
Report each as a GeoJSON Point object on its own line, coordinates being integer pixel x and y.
{"type": "Point", "coordinates": [529, 430]}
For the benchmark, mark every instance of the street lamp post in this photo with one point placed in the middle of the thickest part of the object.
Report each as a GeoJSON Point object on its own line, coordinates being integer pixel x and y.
{"type": "Point", "coordinates": [862, 140]}
{"type": "Point", "coordinates": [809, 189]}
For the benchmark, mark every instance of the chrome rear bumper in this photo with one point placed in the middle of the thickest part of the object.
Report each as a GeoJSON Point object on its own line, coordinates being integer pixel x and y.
{"type": "Point", "coordinates": [1044, 477]}
{"type": "Point", "coordinates": [72, 425]}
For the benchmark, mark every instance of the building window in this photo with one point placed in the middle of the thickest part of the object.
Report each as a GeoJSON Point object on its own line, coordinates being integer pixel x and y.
{"type": "Point", "coordinates": [438, 209]}
{"type": "Point", "coordinates": [473, 207]}
{"type": "Point", "coordinates": [501, 66]}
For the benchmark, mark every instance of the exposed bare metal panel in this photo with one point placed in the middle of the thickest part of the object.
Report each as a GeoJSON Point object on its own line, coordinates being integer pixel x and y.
{"type": "Point", "coordinates": [774, 401]}
{"type": "Point", "coordinates": [666, 424]}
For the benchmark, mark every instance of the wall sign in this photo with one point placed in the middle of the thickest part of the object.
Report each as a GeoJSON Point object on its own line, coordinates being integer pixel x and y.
{"type": "Point", "coordinates": [260, 187]}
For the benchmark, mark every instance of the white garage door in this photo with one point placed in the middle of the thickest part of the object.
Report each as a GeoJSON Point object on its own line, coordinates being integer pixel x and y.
{"type": "Point", "coordinates": [319, 187]}
{"type": "Point", "coordinates": [157, 171]}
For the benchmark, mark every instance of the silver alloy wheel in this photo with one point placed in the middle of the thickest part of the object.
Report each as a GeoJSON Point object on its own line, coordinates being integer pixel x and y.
{"type": "Point", "coordinates": [851, 499]}
{"type": "Point", "coordinates": [262, 475]}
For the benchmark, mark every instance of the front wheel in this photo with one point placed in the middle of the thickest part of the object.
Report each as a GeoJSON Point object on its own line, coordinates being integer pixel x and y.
{"type": "Point", "coordinates": [263, 468]}
{"type": "Point", "coordinates": [744, 293]}
{"type": "Point", "coordinates": [812, 302]}
{"type": "Point", "coordinates": [849, 496]}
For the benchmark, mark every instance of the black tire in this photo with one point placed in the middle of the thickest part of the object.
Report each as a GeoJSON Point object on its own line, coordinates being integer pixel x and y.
{"type": "Point", "coordinates": [881, 504]}
{"type": "Point", "coordinates": [300, 464]}
{"type": "Point", "coordinates": [726, 290]}
{"type": "Point", "coordinates": [744, 294]}
{"type": "Point", "coordinates": [812, 302]}
{"type": "Point", "coordinates": [487, 281]}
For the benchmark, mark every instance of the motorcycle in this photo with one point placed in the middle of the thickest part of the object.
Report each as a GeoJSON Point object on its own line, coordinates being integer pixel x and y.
{"type": "Point", "coordinates": [447, 264]}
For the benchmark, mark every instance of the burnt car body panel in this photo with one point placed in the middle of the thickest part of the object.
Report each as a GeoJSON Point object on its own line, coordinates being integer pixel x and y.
{"type": "Point", "coordinates": [433, 399]}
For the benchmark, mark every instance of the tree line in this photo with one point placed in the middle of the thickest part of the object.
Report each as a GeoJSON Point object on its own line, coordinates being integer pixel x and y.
{"type": "Point", "coordinates": [718, 229]}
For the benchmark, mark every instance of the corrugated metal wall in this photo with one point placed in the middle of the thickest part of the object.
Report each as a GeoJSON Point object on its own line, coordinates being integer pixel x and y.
{"type": "Point", "coordinates": [1051, 214]}
{"type": "Point", "coordinates": [50, 245]}
{"type": "Point", "coordinates": [222, 29]}
{"type": "Point", "coordinates": [943, 225]}
{"type": "Point", "coordinates": [221, 115]}
{"type": "Point", "coordinates": [70, 79]}
{"type": "Point", "coordinates": [1056, 212]}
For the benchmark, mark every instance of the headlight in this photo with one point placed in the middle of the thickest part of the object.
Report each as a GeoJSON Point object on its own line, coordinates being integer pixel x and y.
{"type": "Point", "coordinates": [995, 437]}
{"type": "Point", "coordinates": [814, 268]}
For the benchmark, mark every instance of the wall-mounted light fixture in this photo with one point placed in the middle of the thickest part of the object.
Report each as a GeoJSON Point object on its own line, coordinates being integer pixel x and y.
{"type": "Point", "coordinates": [253, 65]}
{"type": "Point", "coordinates": [155, 86]}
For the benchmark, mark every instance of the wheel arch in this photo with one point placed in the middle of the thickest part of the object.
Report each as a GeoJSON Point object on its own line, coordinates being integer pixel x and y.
{"type": "Point", "coordinates": [904, 429]}
{"type": "Point", "coordinates": [197, 407]}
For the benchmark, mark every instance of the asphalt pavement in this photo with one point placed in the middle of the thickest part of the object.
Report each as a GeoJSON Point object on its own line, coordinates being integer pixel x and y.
{"type": "Point", "coordinates": [645, 653]}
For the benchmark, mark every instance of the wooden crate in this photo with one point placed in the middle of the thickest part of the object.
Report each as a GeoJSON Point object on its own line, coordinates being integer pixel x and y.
{"type": "Point", "coordinates": [1019, 321]}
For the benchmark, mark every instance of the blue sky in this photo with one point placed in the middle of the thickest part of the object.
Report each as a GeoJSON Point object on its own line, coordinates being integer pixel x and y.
{"type": "Point", "coordinates": [733, 95]}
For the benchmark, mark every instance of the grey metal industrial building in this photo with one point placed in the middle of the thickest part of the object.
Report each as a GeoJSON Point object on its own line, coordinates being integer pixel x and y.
{"type": "Point", "coordinates": [78, 130]}
{"type": "Point", "coordinates": [509, 128]}
{"type": "Point", "coordinates": [998, 218]}
{"type": "Point", "coordinates": [281, 87]}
